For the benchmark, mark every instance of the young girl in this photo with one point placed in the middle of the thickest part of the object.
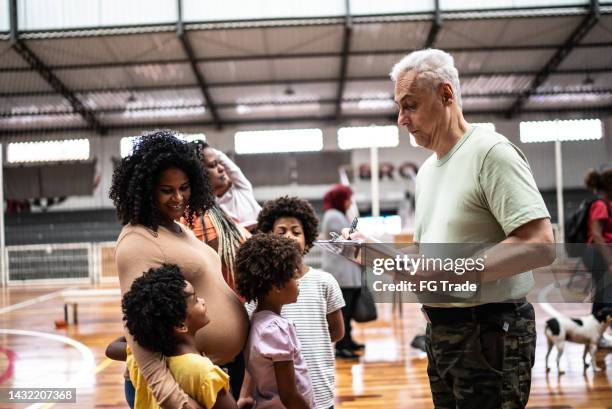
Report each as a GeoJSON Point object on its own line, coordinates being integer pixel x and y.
{"type": "Point", "coordinates": [163, 313]}
{"type": "Point", "coordinates": [266, 269]}
{"type": "Point", "coordinates": [317, 314]}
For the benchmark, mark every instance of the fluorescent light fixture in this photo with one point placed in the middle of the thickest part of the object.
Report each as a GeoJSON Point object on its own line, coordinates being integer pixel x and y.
{"type": "Point", "coordinates": [373, 104]}
{"type": "Point", "coordinates": [243, 109]}
{"type": "Point", "coordinates": [375, 101]}
{"type": "Point", "coordinates": [286, 140]}
{"type": "Point", "coordinates": [570, 130]}
{"type": "Point", "coordinates": [48, 151]}
{"type": "Point", "coordinates": [368, 137]}
{"type": "Point", "coordinates": [487, 125]}
{"type": "Point", "coordinates": [162, 112]}
{"type": "Point", "coordinates": [126, 145]}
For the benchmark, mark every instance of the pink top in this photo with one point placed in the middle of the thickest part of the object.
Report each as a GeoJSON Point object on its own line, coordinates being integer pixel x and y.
{"type": "Point", "coordinates": [274, 339]}
{"type": "Point", "coordinates": [600, 210]}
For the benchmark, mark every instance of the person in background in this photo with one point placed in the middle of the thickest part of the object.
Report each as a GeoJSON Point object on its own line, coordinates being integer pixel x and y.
{"type": "Point", "coordinates": [232, 189]}
{"type": "Point", "coordinates": [348, 274]}
{"type": "Point", "coordinates": [215, 227]}
{"type": "Point", "coordinates": [599, 254]}
{"type": "Point", "coordinates": [406, 212]}
{"type": "Point", "coordinates": [220, 232]}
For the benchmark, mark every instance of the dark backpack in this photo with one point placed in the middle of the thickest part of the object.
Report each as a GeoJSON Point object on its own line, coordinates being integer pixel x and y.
{"type": "Point", "coordinates": [577, 228]}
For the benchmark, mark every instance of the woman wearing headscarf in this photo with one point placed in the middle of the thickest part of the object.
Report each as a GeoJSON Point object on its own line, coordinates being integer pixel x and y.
{"type": "Point", "coordinates": [336, 203]}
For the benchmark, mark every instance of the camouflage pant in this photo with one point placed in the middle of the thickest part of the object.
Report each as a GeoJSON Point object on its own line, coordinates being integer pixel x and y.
{"type": "Point", "coordinates": [485, 363]}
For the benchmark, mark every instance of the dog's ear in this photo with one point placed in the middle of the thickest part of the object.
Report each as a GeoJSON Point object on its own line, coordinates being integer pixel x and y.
{"type": "Point", "coordinates": [600, 315]}
{"type": "Point", "coordinates": [604, 315]}
{"type": "Point", "coordinates": [602, 312]}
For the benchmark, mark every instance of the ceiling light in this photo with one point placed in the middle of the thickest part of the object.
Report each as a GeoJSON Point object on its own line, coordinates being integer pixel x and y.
{"type": "Point", "coordinates": [357, 137]}
{"type": "Point", "coordinates": [242, 109]}
{"type": "Point", "coordinates": [48, 151]}
{"type": "Point", "coordinates": [550, 131]}
{"type": "Point", "coordinates": [375, 104]}
{"type": "Point", "coordinates": [286, 140]}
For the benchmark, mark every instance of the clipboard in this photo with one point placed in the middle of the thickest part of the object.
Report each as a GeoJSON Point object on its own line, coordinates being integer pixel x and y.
{"type": "Point", "coordinates": [349, 249]}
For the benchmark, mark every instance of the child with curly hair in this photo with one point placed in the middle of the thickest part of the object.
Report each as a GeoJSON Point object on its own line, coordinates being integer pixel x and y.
{"type": "Point", "coordinates": [163, 313]}
{"type": "Point", "coordinates": [266, 270]}
{"type": "Point", "coordinates": [317, 314]}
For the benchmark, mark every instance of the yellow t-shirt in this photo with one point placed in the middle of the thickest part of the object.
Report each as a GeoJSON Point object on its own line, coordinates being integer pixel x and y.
{"type": "Point", "coordinates": [195, 374]}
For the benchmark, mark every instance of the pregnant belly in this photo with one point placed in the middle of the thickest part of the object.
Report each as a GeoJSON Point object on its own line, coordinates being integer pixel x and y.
{"type": "Point", "coordinates": [224, 337]}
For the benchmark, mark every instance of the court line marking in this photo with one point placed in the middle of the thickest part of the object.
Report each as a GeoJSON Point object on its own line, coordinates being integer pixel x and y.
{"type": "Point", "coordinates": [88, 358]}
{"type": "Point", "coordinates": [10, 356]}
{"type": "Point", "coordinates": [32, 301]}
{"type": "Point", "coordinates": [86, 354]}
{"type": "Point", "coordinates": [102, 366]}
{"type": "Point", "coordinates": [542, 297]}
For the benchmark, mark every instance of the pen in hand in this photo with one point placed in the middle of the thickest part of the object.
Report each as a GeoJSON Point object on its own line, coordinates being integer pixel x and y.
{"type": "Point", "coordinates": [351, 231]}
{"type": "Point", "coordinates": [353, 225]}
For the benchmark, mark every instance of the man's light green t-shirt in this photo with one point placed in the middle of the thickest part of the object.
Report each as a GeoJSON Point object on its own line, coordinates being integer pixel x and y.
{"type": "Point", "coordinates": [479, 192]}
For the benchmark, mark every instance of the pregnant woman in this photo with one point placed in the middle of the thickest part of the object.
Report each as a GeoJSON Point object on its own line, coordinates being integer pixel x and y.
{"type": "Point", "coordinates": [152, 188]}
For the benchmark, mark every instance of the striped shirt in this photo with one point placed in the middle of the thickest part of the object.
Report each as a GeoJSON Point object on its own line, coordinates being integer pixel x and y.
{"type": "Point", "coordinates": [319, 295]}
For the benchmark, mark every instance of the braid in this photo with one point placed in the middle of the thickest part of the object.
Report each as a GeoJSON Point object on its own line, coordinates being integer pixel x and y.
{"type": "Point", "coordinates": [229, 237]}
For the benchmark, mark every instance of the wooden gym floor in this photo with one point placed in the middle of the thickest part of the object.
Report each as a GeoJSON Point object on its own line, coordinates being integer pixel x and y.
{"type": "Point", "coordinates": [389, 375]}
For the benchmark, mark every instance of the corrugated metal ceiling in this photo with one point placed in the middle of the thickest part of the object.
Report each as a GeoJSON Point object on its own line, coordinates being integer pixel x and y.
{"type": "Point", "coordinates": [281, 70]}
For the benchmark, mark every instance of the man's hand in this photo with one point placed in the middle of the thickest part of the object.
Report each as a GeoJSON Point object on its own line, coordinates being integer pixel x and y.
{"type": "Point", "coordinates": [357, 235]}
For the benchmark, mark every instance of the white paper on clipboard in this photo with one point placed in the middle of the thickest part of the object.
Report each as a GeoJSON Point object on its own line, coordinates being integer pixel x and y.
{"type": "Point", "coordinates": [348, 249]}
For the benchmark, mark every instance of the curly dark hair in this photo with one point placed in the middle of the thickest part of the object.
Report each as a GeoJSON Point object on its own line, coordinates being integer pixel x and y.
{"type": "Point", "coordinates": [199, 145]}
{"type": "Point", "coordinates": [599, 181]}
{"type": "Point", "coordinates": [135, 178]}
{"type": "Point", "coordinates": [154, 305]}
{"type": "Point", "coordinates": [263, 261]}
{"type": "Point", "coordinates": [287, 206]}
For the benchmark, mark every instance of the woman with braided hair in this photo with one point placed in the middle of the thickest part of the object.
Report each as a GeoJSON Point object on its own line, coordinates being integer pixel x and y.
{"type": "Point", "coordinates": [233, 191]}
{"type": "Point", "coordinates": [215, 227]}
{"type": "Point", "coordinates": [152, 188]}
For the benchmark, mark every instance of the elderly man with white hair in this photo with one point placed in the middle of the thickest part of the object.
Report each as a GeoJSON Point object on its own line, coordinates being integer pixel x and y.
{"type": "Point", "coordinates": [476, 187]}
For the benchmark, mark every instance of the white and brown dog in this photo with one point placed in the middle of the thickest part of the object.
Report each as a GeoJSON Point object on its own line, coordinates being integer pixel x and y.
{"type": "Point", "coordinates": [586, 330]}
